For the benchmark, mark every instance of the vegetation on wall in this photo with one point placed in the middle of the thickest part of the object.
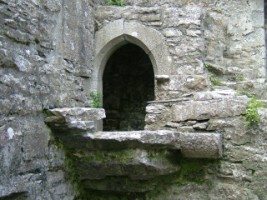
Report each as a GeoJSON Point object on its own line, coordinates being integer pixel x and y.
{"type": "Point", "coordinates": [214, 80]}
{"type": "Point", "coordinates": [192, 172]}
{"type": "Point", "coordinates": [213, 74]}
{"type": "Point", "coordinates": [252, 116]}
{"type": "Point", "coordinates": [96, 103]}
{"type": "Point", "coordinates": [115, 2]}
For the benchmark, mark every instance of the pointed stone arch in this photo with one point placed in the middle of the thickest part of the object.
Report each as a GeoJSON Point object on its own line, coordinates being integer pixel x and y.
{"type": "Point", "coordinates": [118, 33]}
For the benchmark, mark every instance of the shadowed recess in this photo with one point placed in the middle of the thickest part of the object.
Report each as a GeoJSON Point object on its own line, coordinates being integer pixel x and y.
{"type": "Point", "coordinates": [128, 83]}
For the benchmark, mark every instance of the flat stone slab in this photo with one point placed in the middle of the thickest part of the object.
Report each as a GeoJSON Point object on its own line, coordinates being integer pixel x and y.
{"type": "Point", "coordinates": [137, 164]}
{"type": "Point", "coordinates": [82, 121]}
{"type": "Point", "coordinates": [79, 118]}
{"type": "Point", "coordinates": [161, 139]}
{"type": "Point", "coordinates": [76, 114]}
{"type": "Point", "coordinates": [193, 145]}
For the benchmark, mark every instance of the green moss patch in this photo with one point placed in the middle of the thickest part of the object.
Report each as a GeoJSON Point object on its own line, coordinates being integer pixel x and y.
{"type": "Point", "coordinates": [115, 3]}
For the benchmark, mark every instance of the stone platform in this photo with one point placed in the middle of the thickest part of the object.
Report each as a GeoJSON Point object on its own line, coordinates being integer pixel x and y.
{"type": "Point", "coordinates": [130, 161]}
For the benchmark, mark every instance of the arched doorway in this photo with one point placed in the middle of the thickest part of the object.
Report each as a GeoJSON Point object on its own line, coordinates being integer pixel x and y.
{"type": "Point", "coordinates": [128, 83]}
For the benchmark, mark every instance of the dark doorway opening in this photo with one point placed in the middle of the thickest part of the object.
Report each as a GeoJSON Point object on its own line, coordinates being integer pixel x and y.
{"type": "Point", "coordinates": [128, 83]}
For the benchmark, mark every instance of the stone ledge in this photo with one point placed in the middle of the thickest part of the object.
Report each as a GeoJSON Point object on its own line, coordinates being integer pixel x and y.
{"type": "Point", "coordinates": [137, 164]}
{"type": "Point", "coordinates": [78, 113]}
{"type": "Point", "coordinates": [193, 145]}
{"type": "Point", "coordinates": [129, 161]}
{"type": "Point", "coordinates": [201, 145]}
{"type": "Point", "coordinates": [78, 118]}
{"type": "Point", "coordinates": [70, 121]}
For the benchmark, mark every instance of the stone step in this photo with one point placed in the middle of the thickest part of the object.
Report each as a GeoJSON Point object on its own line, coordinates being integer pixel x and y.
{"type": "Point", "coordinates": [125, 161]}
{"type": "Point", "coordinates": [75, 129]}
{"type": "Point", "coordinates": [136, 164]}
{"type": "Point", "coordinates": [193, 145]}
{"type": "Point", "coordinates": [77, 118]}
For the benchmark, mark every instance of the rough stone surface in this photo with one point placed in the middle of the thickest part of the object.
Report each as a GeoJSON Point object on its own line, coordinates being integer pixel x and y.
{"type": "Point", "coordinates": [193, 145]}
{"type": "Point", "coordinates": [157, 139]}
{"type": "Point", "coordinates": [47, 60]}
{"type": "Point", "coordinates": [203, 110]}
{"type": "Point", "coordinates": [201, 145]}
{"type": "Point", "coordinates": [243, 146]}
{"type": "Point", "coordinates": [46, 54]}
{"type": "Point", "coordinates": [199, 106]}
{"type": "Point", "coordinates": [197, 145]}
{"type": "Point", "coordinates": [131, 166]}
{"type": "Point", "coordinates": [78, 113]}
{"type": "Point", "coordinates": [130, 161]}
{"type": "Point", "coordinates": [83, 119]}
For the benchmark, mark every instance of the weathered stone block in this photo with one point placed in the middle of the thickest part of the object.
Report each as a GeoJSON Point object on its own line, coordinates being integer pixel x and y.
{"type": "Point", "coordinates": [78, 113]}
{"type": "Point", "coordinates": [195, 145]}
{"type": "Point", "coordinates": [154, 139]}
{"type": "Point", "coordinates": [200, 145]}
{"type": "Point", "coordinates": [136, 164]}
{"type": "Point", "coordinates": [201, 110]}
{"type": "Point", "coordinates": [83, 119]}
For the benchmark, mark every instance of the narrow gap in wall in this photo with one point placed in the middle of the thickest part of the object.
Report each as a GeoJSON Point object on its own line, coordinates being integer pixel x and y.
{"type": "Point", "coordinates": [128, 83]}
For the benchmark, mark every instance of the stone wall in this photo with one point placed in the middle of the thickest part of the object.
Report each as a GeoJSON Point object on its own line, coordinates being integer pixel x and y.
{"type": "Point", "coordinates": [227, 36]}
{"type": "Point", "coordinates": [46, 54]}
{"type": "Point", "coordinates": [218, 53]}
{"type": "Point", "coordinates": [47, 60]}
{"type": "Point", "coordinates": [265, 21]}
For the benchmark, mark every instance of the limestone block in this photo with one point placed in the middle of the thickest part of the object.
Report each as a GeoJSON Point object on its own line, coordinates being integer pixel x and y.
{"type": "Point", "coordinates": [82, 125]}
{"type": "Point", "coordinates": [215, 94]}
{"type": "Point", "coordinates": [155, 108]}
{"type": "Point", "coordinates": [160, 56]}
{"type": "Point", "coordinates": [195, 145]}
{"type": "Point", "coordinates": [52, 5]}
{"type": "Point", "coordinates": [200, 110]}
{"type": "Point", "coordinates": [234, 128]}
{"type": "Point", "coordinates": [201, 145]}
{"type": "Point", "coordinates": [136, 164]}
{"type": "Point", "coordinates": [132, 170]}
{"type": "Point", "coordinates": [108, 33]}
{"type": "Point", "coordinates": [201, 126]}
{"type": "Point", "coordinates": [231, 191]}
{"type": "Point", "coordinates": [171, 32]}
{"type": "Point", "coordinates": [263, 117]}
{"type": "Point", "coordinates": [151, 17]}
{"type": "Point", "coordinates": [149, 37]}
{"type": "Point", "coordinates": [183, 84]}
{"type": "Point", "coordinates": [83, 119]}
{"type": "Point", "coordinates": [188, 15]}
{"type": "Point", "coordinates": [159, 139]}
{"type": "Point", "coordinates": [78, 113]}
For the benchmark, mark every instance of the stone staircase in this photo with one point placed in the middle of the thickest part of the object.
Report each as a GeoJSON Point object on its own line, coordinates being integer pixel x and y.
{"type": "Point", "coordinates": [124, 162]}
